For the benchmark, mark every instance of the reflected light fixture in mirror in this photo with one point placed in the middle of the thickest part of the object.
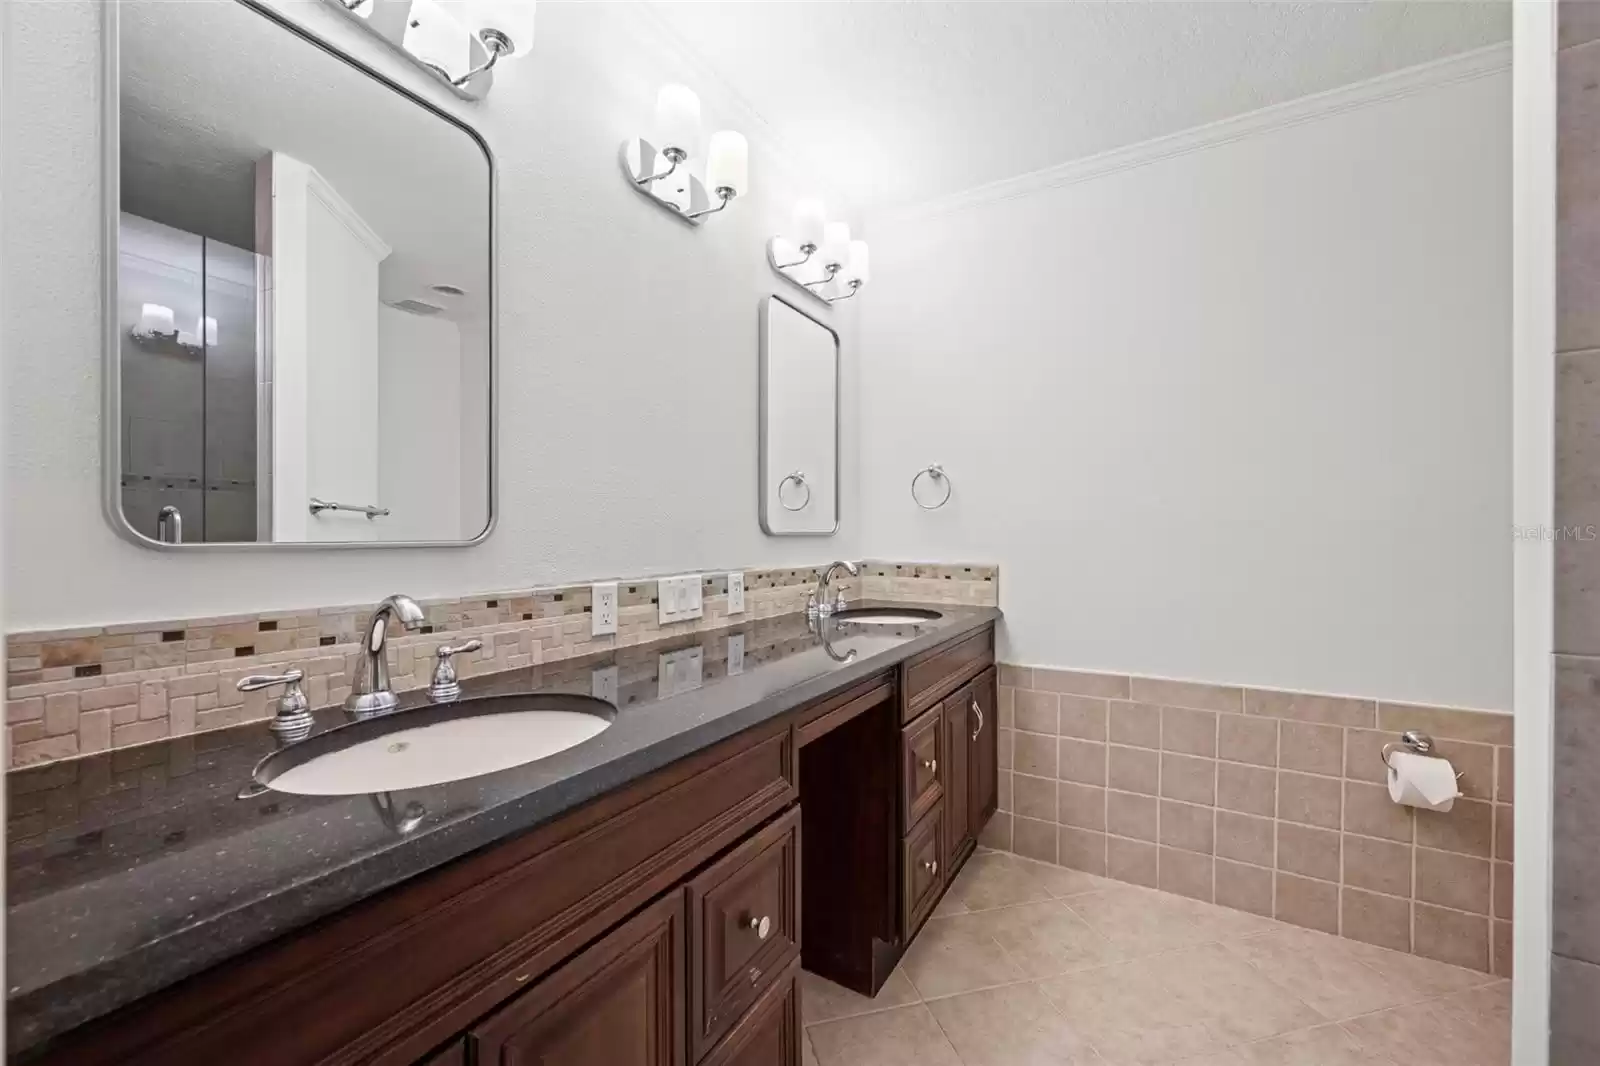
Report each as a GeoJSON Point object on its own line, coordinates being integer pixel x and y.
{"type": "Point", "coordinates": [818, 257]}
{"type": "Point", "coordinates": [457, 41]}
{"type": "Point", "coordinates": [661, 174]}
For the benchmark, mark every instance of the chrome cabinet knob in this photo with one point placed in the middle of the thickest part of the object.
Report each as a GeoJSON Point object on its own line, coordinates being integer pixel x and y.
{"type": "Point", "coordinates": [931, 765]}
{"type": "Point", "coordinates": [761, 926]}
{"type": "Point", "coordinates": [932, 866]}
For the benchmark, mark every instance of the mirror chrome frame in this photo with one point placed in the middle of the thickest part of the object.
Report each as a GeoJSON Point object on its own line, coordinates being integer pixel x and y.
{"type": "Point", "coordinates": [111, 341]}
{"type": "Point", "coordinates": [761, 403]}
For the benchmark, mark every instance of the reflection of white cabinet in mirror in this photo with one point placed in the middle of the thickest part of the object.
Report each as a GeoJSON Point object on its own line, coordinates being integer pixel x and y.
{"type": "Point", "coordinates": [323, 285]}
{"type": "Point", "coordinates": [799, 422]}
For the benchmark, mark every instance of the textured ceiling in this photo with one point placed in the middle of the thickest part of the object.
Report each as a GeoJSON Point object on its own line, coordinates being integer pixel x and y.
{"type": "Point", "coordinates": [899, 102]}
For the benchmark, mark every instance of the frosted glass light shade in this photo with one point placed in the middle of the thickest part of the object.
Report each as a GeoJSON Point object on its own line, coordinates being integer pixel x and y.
{"type": "Point", "coordinates": [434, 36]}
{"type": "Point", "coordinates": [206, 327]}
{"type": "Point", "coordinates": [514, 18]}
{"type": "Point", "coordinates": [678, 118]}
{"type": "Point", "coordinates": [728, 162]}
{"type": "Point", "coordinates": [859, 267]}
{"type": "Point", "coordinates": [156, 318]}
{"type": "Point", "coordinates": [809, 218]}
{"type": "Point", "coordinates": [836, 242]}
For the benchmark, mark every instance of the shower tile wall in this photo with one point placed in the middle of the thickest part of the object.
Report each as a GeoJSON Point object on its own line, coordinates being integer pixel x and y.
{"type": "Point", "coordinates": [1575, 970]}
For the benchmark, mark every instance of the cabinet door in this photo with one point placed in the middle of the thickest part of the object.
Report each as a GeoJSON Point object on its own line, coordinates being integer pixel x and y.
{"type": "Point", "coordinates": [983, 752]}
{"type": "Point", "coordinates": [619, 1002]}
{"type": "Point", "coordinates": [957, 736]}
{"type": "Point", "coordinates": [769, 1034]}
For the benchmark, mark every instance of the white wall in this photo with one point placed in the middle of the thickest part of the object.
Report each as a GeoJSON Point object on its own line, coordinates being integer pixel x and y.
{"type": "Point", "coordinates": [627, 343]}
{"type": "Point", "coordinates": [1234, 413]}
{"type": "Point", "coordinates": [419, 415]}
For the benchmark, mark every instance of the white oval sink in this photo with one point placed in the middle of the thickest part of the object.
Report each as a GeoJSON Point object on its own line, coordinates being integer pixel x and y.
{"type": "Point", "coordinates": [885, 616]}
{"type": "Point", "coordinates": [434, 745]}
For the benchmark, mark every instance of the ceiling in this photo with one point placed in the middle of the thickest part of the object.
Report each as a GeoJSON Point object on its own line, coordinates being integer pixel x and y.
{"type": "Point", "coordinates": [901, 102]}
{"type": "Point", "coordinates": [208, 89]}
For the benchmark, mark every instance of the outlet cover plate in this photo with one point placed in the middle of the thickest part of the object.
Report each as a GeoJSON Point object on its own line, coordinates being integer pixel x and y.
{"type": "Point", "coordinates": [736, 592]}
{"type": "Point", "coordinates": [603, 608]}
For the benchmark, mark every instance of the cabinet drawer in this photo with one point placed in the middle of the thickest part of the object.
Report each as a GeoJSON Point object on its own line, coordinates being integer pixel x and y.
{"type": "Point", "coordinates": [922, 870]}
{"type": "Point", "coordinates": [744, 928]}
{"type": "Point", "coordinates": [922, 768]}
{"type": "Point", "coordinates": [770, 1034]}
{"type": "Point", "coordinates": [932, 675]}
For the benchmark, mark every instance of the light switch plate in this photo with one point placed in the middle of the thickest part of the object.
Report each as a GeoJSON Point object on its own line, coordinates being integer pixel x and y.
{"type": "Point", "coordinates": [736, 592]}
{"type": "Point", "coordinates": [603, 608]}
{"type": "Point", "coordinates": [679, 599]}
{"type": "Point", "coordinates": [679, 671]}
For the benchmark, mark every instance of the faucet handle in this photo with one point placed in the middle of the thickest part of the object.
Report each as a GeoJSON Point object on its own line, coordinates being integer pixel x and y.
{"type": "Point", "coordinates": [445, 687]}
{"type": "Point", "coordinates": [292, 720]}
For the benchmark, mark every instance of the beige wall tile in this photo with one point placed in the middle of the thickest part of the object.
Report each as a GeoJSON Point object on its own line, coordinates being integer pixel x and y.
{"type": "Point", "coordinates": [1131, 815]}
{"type": "Point", "coordinates": [1034, 797]}
{"type": "Point", "coordinates": [1135, 770]}
{"type": "Point", "coordinates": [1368, 810]}
{"type": "Point", "coordinates": [1502, 948]}
{"type": "Point", "coordinates": [1503, 891]}
{"type": "Point", "coordinates": [1077, 683]}
{"type": "Point", "coordinates": [1458, 881]}
{"type": "Point", "coordinates": [1006, 741]}
{"type": "Point", "coordinates": [1308, 903]}
{"type": "Point", "coordinates": [1187, 694]}
{"type": "Point", "coordinates": [1034, 754]}
{"type": "Point", "coordinates": [1505, 840]}
{"type": "Point", "coordinates": [1308, 852]}
{"type": "Point", "coordinates": [1249, 789]}
{"type": "Point", "coordinates": [1083, 806]}
{"type": "Point", "coordinates": [1451, 936]}
{"type": "Point", "coordinates": [1377, 865]}
{"type": "Point", "coordinates": [1475, 765]}
{"type": "Point", "coordinates": [1188, 827]}
{"type": "Point", "coordinates": [1138, 724]}
{"type": "Point", "coordinates": [1188, 778]}
{"type": "Point", "coordinates": [997, 834]}
{"type": "Point", "coordinates": [1083, 761]}
{"type": "Point", "coordinates": [1189, 731]}
{"type": "Point", "coordinates": [1468, 828]}
{"type": "Point", "coordinates": [1363, 755]}
{"type": "Point", "coordinates": [1505, 789]}
{"type": "Point", "coordinates": [1244, 739]}
{"type": "Point", "coordinates": [1037, 712]}
{"type": "Point", "coordinates": [1006, 704]}
{"type": "Point", "coordinates": [1309, 800]}
{"type": "Point", "coordinates": [1083, 850]}
{"type": "Point", "coordinates": [1246, 838]}
{"type": "Point", "coordinates": [1311, 748]}
{"type": "Point", "coordinates": [1186, 873]}
{"type": "Point", "coordinates": [1016, 676]}
{"type": "Point", "coordinates": [1578, 22]}
{"type": "Point", "coordinates": [1132, 861]}
{"type": "Point", "coordinates": [1243, 887]}
{"type": "Point", "coordinates": [1446, 723]}
{"type": "Point", "coordinates": [1376, 919]}
{"type": "Point", "coordinates": [1083, 717]}
{"type": "Point", "coordinates": [1307, 707]}
{"type": "Point", "coordinates": [1034, 838]}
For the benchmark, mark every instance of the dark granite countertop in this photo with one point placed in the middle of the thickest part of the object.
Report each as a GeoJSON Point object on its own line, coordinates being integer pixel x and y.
{"type": "Point", "coordinates": [131, 870]}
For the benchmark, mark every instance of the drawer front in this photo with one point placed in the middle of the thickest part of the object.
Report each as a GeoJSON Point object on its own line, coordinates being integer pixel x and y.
{"type": "Point", "coordinates": [770, 1034]}
{"type": "Point", "coordinates": [922, 871]}
{"type": "Point", "coordinates": [744, 928]}
{"type": "Point", "coordinates": [922, 768]}
{"type": "Point", "coordinates": [931, 676]}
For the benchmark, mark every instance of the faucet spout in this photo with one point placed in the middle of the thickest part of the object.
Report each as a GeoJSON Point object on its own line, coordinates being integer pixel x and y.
{"type": "Point", "coordinates": [821, 606]}
{"type": "Point", "coordinates": [369, 689]}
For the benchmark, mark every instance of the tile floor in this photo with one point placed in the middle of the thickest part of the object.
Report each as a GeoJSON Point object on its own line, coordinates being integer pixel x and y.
{"type": "Point", "coordinates": [1025, 964]}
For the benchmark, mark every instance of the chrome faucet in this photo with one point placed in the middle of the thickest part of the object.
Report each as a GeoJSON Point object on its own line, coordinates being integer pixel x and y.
{"type": "Point", "coordinates": [820, 607]}
{"type": "Point", "coordinates": [369, 690]}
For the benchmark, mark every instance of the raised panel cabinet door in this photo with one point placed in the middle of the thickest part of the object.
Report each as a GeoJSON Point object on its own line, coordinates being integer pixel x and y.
{"type": "Point", "coordinates": [957, 734]}
{"type": "Point", "coordinates": [983, 753]}
{"type": "Point", "coordinates": [769, 1034]}
{"type": "Point", "coordinates": [618, 1002]}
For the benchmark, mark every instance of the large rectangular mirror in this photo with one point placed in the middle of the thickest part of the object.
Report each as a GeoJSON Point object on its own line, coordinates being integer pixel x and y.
{"type": "Point", "coordinates": [799, 460]}
{"type": "Point", "coordinates": [300, 291]}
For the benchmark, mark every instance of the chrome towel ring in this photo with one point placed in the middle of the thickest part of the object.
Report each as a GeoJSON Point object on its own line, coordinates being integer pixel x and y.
{"type": "Point", "coordinates": [936, 472]}
{"type": "Point", "coordinates": [799, 478]}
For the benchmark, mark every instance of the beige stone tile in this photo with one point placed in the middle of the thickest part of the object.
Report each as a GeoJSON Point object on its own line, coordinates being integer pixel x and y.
{"type": "Point", "coordinates": [905, 1036]}
{"type": "Point", "coordinates": [1375, 919]}
{"type": "Point", "coordinates": [1034, 755]}
{"type": "Point", "coordinates": [1326, 1045]}
{"type": "Point", "coordinates": [1468, 828]}
{"type": "Point", "coordinates": [1244, 887]}
{"type": "Point", "coordinates": [1445, 724]}
{"type": "Point", "coordinates": [1186, 874]}
{"type": "Point", "coordinates": [1321, 971]}
{"type": "Point", "coordinates": [1011, 1026]}
{"type": "Point", "coordinates": [1309, 800]}
{"type": "Point", "coordinates": [808, 1054]}
{"type": "Point", "coordinates": [1083, 806]}
{"type": "Point", "coordinates": [1082, 761]}
{"type": "Point", "coordinates": [1135, 724]}
{"type": "Point", "coordinates": [1037, 712]}
{"type": "Point", "coordinates": [1046, 939]}
{"type": "Point", "coordinates": [1458, 881]}
{"type": "Point", "coordinates": [1033, 838]}
{"type": "Point", "coordinates": [1247, 789]}
{"type": "Point", "coordinates": [1505, 774]}
{"type": "Point", "coordinates": [1363, 755]}
{"type": "Point", "coordinates": [1189, 731]}
{"type": "Point", "coordinates": [1311, 748]}
{"type": "Point", "coordinates": [1133, 861]}
{"type": "Point", "coordinates": [997, 833]}
{"type": "Point", "coordinates": [1306, 902]}
{"type": "Point", "coordinates": [1134, 770]}
{"type": "Point", "coordinates": [1187, 694]}
{"type": "Point", "coordinates": [1034, 797]}
{"type": "Point", "coordinates": [1503, 890]}
{"type": "Point", "coordinates": [823, 1001]}
{"type": "Point", "coordinates": [1502, 949]}
{"type": "Point", "coordinates": [1423, 978]}
{"type": "Point", "coordinates": [1475, 765]}
{"type": "Point", "coordinates": [1129, 1015]}
{"type": "Point", "coordinates": [1078, 683]}
{"type": "Point", "coordinates": [1308, 852]}
{"type": "Point", "coordinates": [1425, 1034]}
{"type": "Point", "coordinates": [1377, 865]}
{"type": "Point", "coordinates": [992, 879]}
{"type": "Point", "coordinates": [1308, 707]}
{"type": "Point", "coordinates": [1189, 827]}
{"type": "Point", "coordinates": [1505, 844]}
{"type": "Point", "coordinates": [1239, 1003]}
{"type": "Point", "coordinates": [1016, 676]}
{"type": "Point", "coordinates": [1189, 778]}
{"type": "Point", "coordinates": [1245, 739]}
{"type": "Point", "coordinates": [1083, 717]}
{"type": "Point", "coordinates": [1369, 811]}
{"type": "Point", "coordinates": [1081, 849]}
{"type": "Point", "coordinates": [957, 954]}
{"type": "Point", "coordinates": [1063, 883]}
{"type": "Point", "coordinates": [1245, 838]}
{"type": "Point", "coordinates": [1139, 921]}
{"type": "Point", "coordinates": [1450, 936]}
{"type": "Point", "coordinates": [1131, 815]}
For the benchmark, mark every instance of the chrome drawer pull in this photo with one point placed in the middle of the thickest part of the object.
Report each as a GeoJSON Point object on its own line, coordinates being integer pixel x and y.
{"type": "Point", "coordinates": [979, 712]}
{"type": "Point", "coordinates": [761, 926]}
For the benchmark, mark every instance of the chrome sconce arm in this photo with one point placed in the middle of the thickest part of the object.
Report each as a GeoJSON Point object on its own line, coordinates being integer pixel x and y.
{"type": "Point", "coordinates": [675, 188]}
{"type": "Point", "coordinates": [493, 32]}
{"type": "Point", "coordinates": [725, 194]}
{"type": "Point", "coordinates": [854, 285]}
{"type": "Point", "coordinates": [843, 263]}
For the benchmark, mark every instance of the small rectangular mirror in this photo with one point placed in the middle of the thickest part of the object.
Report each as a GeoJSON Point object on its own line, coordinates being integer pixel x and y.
{"type": "Point", "coordinates": [799, 460]}
{"type": "Point", "coordinates": [300, 291]}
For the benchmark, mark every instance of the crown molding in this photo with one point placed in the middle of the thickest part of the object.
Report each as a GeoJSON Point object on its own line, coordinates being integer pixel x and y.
{"type": "Point", "coordinates": [1467, 66]}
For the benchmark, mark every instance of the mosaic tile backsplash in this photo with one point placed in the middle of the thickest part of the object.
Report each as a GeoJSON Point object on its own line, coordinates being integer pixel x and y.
{"type": "Point", "coordinates": [1264, 801]}
{"type": "Point", "coordinates": [79, 691]}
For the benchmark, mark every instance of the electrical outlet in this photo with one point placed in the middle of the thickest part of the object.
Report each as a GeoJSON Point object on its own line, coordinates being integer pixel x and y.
{"type": "Point", "coordinates": [603, 608]}
{"type": "Point", "coordinates": [736, 592]}
{"type": "Point", "coordinates": [603, 684]}
{"type": "Point", "coordinates": [735, 654]}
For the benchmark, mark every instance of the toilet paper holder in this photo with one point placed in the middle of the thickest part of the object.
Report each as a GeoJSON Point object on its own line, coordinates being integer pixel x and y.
{"type": "Point", "coordinates": [1418, 743]}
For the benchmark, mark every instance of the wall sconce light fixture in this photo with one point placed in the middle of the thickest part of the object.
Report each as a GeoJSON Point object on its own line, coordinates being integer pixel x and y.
{"type": "Point", "coordinates": [158, 329]}
{"type": "Point", "coordinates": [660, 173]}
{"type": "Point", "coordinates": [457, 41]}
{"type": "Point", "coordinates": [818, 257]}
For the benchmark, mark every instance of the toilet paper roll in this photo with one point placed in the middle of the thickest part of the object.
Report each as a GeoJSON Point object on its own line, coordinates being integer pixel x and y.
{"type": "Point", "coordinates": [1422, 781]}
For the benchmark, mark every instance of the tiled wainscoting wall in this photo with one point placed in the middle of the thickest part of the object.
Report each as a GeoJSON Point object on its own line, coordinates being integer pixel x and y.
{"type": "Point", "coordinates": [1265, 801]}
{"type": "Point", "coordinates": [75, 692]}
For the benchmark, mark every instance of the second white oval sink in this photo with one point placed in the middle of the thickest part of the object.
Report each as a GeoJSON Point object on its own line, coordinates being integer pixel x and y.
{"type": "Point", "coordinates": [885, 616]}
{"type": "Point", "coordinates": [434, 745]}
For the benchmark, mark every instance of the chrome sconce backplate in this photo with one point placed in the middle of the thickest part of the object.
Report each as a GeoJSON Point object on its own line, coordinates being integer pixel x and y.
{"type": "Point", "coordinates": [664, 180]}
